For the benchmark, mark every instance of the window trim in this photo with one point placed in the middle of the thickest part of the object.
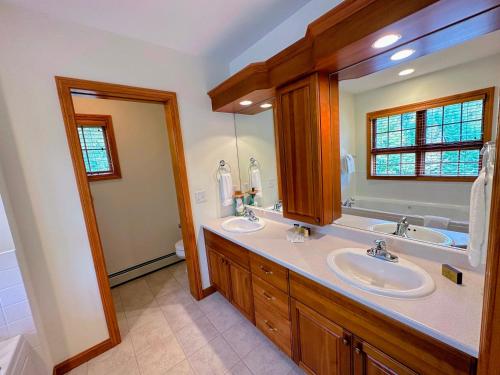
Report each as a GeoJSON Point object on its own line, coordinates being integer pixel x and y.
{"type": "Point", "coordinates": [486, 94]}
{"type": "Point", "coordinates": [106, 122]}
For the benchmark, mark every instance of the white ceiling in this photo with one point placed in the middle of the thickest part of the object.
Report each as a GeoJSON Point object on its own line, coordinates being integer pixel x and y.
{"type": "Point", "coordinates": [481, 47]}
{"type": "Point", "coordinates": [224, 28]}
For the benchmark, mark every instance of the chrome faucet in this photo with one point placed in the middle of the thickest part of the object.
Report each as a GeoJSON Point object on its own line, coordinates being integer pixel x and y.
{"type": "Point", "coordinates": [402, 227]}
{"type": "Point", "coordinates": [380, 251]}
{"type": "Point", "coordinates": [250, 215]}
{"type": "Point", "coordinates": [349, 202]}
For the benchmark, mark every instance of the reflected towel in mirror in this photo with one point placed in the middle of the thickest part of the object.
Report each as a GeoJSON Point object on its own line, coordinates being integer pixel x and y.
{"type": "Point", "coordinates": [256, 181]}
{"type": "Point", "coordinates": [348, 165]}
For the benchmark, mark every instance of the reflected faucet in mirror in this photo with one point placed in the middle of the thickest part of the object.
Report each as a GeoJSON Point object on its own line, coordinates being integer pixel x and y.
{"type": "Point", "coordinates": [402, 227]}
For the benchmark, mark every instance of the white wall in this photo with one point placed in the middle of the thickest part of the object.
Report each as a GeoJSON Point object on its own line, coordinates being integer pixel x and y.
{"type": "Point", "coordinates": [462, 78]}
{"type": "Point", "coordinates": [347, 140]}
{"type": "Point", "coordinates": [255, 138]}
{"type": "Point", "coordinates": [49, 230]}
{"type": "Point", "coordinates": [137, 214]}
{"type": "Point", "coordinates": [283, 35]}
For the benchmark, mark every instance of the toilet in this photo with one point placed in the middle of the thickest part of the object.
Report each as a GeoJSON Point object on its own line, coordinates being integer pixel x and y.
{"type": "Point", "coordinates": [179, 249]}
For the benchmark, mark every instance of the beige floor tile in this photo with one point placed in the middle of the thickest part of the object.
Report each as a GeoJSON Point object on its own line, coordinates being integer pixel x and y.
{"type": "Point", "coordinates": [183, 368]}
{"type": "Point", "coordinates": [122, 324]}
{"type": "Point", "coordinates": [150, 334]}
{"type": "Point", "coordinates": [239, 369]}
{"type": "Point", "coordinates": [179, 297]}
{"type": "Point", "coordinates": [117, 361]}
{"type": "Point", "coordinates": [212, 303]}
{"type": "Point", "coordinates": [215, 358]}
{"type": "Point", "coordinates": [224, 317]}
{"type": "Point", "coordinates": [179, 316]}
{"type": "Point", "coordinates": [196, 335]}
{"type": "Point", "coordinates": [244, 337]}
{"type": "Point", "coordinates": [136, 318]}
{"type": "Point", "coordinates": [80, 370]}
{"type": "Point", "coordinates": [266, 359]}
{"type": "Point", "coordinates": [161, 357]}
{"type": "Point", "coordinates": [162, 282]}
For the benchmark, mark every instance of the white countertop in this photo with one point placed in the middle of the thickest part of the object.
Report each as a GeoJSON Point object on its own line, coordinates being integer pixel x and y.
{"type": "Point", "coordinates": [451, 314]}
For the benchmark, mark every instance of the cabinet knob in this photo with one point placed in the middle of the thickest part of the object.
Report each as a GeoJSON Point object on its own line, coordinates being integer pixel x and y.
{"type": "Point", "coordinates": [265, 270]}
{"type": "Point", "coordinates": [345, 341]}
{"type": "Point", "coordinates": [357, 350]}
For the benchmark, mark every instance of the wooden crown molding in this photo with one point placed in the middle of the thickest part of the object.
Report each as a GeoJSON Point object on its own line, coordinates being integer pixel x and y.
{"type": "Point", "coordinates": [340, 42]}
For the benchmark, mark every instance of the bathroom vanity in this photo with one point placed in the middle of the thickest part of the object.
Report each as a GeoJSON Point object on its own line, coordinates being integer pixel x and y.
{"type": "Point", "coordinates": [330, 327]}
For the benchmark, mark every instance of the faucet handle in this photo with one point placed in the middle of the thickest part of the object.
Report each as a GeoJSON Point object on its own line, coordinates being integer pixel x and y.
{"type": "Point", "coordinates": [380, 244]}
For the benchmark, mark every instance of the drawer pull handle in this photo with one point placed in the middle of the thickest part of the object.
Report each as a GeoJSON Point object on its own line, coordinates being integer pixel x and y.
{"type": "Point", "coordinates": [267, 296]}
{"type": "Point", "coordinates": [266, 271]}
{"type": "Point", "coordinates": [270, 327]}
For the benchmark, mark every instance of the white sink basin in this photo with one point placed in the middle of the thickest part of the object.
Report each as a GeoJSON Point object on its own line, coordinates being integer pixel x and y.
{"type": "Point", "coordinates": [242, 225]}
{"type": "Point", "coordinates": [401, 280]}
{"type": "Point", "coordinates": [417, 233]}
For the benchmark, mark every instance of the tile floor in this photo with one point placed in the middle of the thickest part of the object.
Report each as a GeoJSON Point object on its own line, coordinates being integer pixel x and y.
{"type": "Point", "coordinates": [165, 331]}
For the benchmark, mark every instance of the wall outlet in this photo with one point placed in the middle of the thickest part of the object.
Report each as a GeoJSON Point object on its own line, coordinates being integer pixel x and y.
{"type": "Point", "coordinates": [200, 196]}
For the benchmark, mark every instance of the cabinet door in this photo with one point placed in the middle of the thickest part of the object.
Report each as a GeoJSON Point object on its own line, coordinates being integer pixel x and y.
{"type": "Point", "coordinates": [319, 346]}
{"type": "Point", "coordinates": [371, 361]}
{"type": "Point", "coordinates": [241, 290]}
{"type": "Point", "coordinates": [308, 148]}
{"type": "Point", "coordinates": [219, 272]}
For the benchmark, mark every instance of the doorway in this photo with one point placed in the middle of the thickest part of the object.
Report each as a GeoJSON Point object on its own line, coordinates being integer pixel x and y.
{"type": "Point", "coordinates": [68, 89]}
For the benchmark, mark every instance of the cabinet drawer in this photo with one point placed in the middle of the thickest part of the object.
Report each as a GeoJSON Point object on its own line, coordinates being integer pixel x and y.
{"type": "Point", "coordinates": [275, 327]}
{"type": "Point", "coordinates": [227, 248]}
{"type": "Point", "coordinates": [271, 296]}
{"type": "Point", "coordinates": [270, 272]}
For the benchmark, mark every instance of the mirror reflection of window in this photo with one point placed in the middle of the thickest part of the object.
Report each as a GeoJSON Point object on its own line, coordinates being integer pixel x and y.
{"type": "Point", "coordinates": [418, 144]}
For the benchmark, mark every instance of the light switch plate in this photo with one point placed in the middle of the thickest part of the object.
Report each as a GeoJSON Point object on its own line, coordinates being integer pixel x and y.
{"type": "Point", "coordinates": [200, 196]}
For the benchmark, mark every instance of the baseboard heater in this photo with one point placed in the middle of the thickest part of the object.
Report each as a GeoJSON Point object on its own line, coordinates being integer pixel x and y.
{"type": "Point", "coordinates": [142, 269]}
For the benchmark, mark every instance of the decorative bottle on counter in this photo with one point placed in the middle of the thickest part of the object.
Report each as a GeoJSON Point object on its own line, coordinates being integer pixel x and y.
{"type": "Point", "coordinates": [238, 203]}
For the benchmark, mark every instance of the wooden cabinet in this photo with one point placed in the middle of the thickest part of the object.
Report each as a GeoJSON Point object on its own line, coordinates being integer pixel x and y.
{"type": "Point", "coordinates": [307, 129]}
{"type": "Point", "coordinates": [320, 346]}
{"type": "Point", "coordinates": [241, 289]}
{"type": "Point", "coordinates": [370, 361]}
{"type": "Point", "coordinates": [229, 268]}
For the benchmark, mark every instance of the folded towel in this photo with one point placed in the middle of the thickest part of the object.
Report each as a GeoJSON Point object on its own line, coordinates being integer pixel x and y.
{"type": "Point", "coordinates": [226, 188]}
{"type": "Point", "coordinates": [436, 221]}
{"type": "Point", "coordinates": [348, 166]}
{"type": "Point", "coordinates": [477, 220]}
{"type": "Point", "coordinates": [256, 181]}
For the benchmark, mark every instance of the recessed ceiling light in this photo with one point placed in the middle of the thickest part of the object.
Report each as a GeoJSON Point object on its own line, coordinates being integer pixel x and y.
{"type": "Point", "coordinates": [403, 54]}
{"type": "Point", "coordinates": [266, 105]}
{"type": "Point", "coordinates": [386, 40]}
{"type": "Point", "coordinates": [406, 72]}
{"type": "Point", "coordinates": [246, 102]}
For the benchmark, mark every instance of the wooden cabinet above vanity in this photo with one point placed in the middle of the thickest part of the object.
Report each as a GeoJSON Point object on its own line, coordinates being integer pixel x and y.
{"type": "Point", "coordinates": [307, 128]}
{"type": "Point", "coordinates": [323, 331]}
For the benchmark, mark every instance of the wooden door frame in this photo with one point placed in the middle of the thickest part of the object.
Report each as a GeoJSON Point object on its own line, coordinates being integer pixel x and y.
{"type": "Point", "coordinates": [489, 346]}
{"type": "Point", "coordinates": [66, 87]}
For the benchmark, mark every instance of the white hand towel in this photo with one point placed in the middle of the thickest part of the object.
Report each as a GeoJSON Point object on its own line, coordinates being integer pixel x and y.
{"type": "Point", "coordinates": [347, 164]}
{"type": "Point", "coordinates": [477, 220]}
{"type": "Point", "coordinates": [436, 221]}
{"type": "Point", "coordinates": [256, 181]}
{"type": "Point", "coordinates": [226, 189]}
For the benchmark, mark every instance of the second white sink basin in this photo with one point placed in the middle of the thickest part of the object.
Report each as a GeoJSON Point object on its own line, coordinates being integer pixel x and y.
{"type": "Point", "coordinates": [401, 280]}
{"type": "Point", "coordinates": [242, 225]}
{"type": "Point", "coordinates": [417, 233]}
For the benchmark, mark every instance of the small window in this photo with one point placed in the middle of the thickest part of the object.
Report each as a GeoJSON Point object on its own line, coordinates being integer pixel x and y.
{"type": "Point", "coordinates": [98, 146]}
{"type": "Point", "coordinates": [438, 139]}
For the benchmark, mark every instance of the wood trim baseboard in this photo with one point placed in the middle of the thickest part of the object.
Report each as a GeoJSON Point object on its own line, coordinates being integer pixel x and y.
{"type": "Point", "coordinates": [207, 291]}
{"type": "Point", "coordinates": [75, 361]}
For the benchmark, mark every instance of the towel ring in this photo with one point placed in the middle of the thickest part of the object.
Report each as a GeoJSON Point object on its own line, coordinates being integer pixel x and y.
{"type": "Point", "coordinates": [223, 167]}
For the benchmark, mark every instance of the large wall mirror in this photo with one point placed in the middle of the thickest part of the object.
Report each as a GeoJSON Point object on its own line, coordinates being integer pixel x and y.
{"type": "Point", "coordinates": [257, 157]}
{"type": "Point", "coordinates": [414, 139]}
